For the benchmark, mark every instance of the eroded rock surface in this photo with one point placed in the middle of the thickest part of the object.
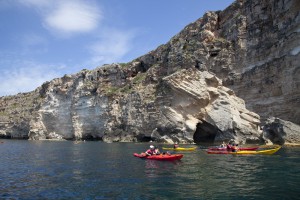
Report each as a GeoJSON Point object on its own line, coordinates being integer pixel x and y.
{"type": "Point", "coordinates": [281, 132]}
{"type": "Point", "coordinates": [203, 110]}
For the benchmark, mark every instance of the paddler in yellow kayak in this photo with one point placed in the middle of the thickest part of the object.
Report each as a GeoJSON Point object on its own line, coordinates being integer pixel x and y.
{"type": "Point", "coordinates": [234, 148]}
{"type": "Point", "coordinates": [175, 145]}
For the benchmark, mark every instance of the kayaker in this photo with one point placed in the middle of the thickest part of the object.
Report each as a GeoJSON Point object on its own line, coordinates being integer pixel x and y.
{"type": "Point", "coordinates": [152, 151]}
{"type": "Point", "coordinates": [176, 145]}
{"type": "Point", "coordinates": [223, 144]}
{"type": "Point", "coordinates": [156, 151]}
{"type": "Point", "coordinates": [234, 148]}
{"type": "Point", "coordinates": [229, 147]}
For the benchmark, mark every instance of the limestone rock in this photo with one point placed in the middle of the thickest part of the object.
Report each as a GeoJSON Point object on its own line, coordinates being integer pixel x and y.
{"type": "Point", "coordinates": [203, 110]}
{"type": "Point", "coordinates": [253, 46]}
{"type": "Point", "coordinates": [281, 132]}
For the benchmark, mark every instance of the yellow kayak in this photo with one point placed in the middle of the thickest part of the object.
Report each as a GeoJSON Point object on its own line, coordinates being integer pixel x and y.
{"type": "Point", "coordinates": [267, 152]}
{"type": "Point", "coordinates": [180, 148]}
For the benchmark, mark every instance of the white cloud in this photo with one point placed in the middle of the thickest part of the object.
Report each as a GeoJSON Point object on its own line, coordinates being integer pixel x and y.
{"type": "Point", "coordinates": [73, 17]}
{"type": "Point", "coordinates": [25, 78]}
{"type": "Point", "coordinates": [64, 18]}
{"type": "Point", "coordinates": [111, 46]}
{"type": "Point", "coordinates": [68, 16]}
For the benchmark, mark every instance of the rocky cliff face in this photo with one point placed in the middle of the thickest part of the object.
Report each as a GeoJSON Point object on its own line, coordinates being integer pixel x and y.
{"type": "Point", "coordinates": [253, 46]}
{"type": "Point", "coordinates": [182, 91]}
{"type": "Point", "coordinates": [186, 106]}
{"type": "Point", "coordinates": [120, 103]}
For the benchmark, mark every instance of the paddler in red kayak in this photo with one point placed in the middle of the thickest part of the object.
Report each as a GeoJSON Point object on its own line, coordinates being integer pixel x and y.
{"type": "Point", "coordinates": [152, 151]}
{"type": "Point", "coordinates": [232, 147]}
{"type": "Point", "coordinates": [223, 144]}
{"type": "Point", "coordinates": [229, 147]}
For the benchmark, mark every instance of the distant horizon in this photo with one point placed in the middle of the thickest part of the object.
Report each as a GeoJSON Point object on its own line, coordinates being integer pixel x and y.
{"type": "Point", "coordinates": [43, 40]}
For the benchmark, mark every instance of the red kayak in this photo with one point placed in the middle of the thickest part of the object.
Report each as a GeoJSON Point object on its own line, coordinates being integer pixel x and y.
{"type": "Point", "coordinates": [240, 148]}
{"type": "Point", "coordinates": [160, 157]}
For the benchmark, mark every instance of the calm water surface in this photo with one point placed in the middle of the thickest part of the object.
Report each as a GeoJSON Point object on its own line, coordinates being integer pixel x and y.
{"type": "Point", "coordinates": [96, 170]}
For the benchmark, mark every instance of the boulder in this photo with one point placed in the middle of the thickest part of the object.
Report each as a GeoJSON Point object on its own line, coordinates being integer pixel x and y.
{"type": "Point", "coordinates": [281, 132]}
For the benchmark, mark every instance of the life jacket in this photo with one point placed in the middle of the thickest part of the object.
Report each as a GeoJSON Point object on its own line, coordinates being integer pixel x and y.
{"type": "Point", "coordinates": [150, 151]}
{"type": "Point", "coordinates": [229, 147]}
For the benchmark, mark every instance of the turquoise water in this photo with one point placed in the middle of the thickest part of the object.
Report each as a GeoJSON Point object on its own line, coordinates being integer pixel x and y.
{"type": "Point", "coordinates": [96, 170]}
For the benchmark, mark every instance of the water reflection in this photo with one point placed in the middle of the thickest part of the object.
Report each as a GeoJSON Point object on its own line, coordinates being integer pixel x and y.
{"type": "Point", "coordinates": [155, 168]}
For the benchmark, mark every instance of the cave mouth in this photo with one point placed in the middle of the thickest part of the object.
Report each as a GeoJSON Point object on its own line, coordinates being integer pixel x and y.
{"type": "Point", "coordinates": [91, 138]}
{"type": "Point", "coordinates": [143, 138]}
{"type": "Point", "coordinates": [205, 133]}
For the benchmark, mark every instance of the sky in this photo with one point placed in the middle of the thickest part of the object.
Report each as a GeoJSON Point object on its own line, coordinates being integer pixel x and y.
{"type": "Point", "coordinates": [46, 39]}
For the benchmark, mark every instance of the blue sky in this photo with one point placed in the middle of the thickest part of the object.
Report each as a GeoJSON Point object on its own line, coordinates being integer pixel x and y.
{"type": "Point", "coordinates": [45, 39]}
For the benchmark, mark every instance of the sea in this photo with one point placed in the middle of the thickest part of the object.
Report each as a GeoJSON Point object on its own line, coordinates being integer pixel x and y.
{"type": "Point", "coordinates": [97, 170]}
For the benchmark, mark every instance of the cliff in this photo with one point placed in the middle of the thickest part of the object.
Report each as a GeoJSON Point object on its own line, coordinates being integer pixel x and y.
{"type": "Point", "coordinates": [253, 46]}
{"type": "Point", "coordinates": [186, 90]}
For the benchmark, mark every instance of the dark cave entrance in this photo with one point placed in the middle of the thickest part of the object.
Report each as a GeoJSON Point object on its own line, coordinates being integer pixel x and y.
{"type": "Point", "coordinates": [275, 137]}
{"type": "Point", "coordinates": [143, 138]}
{"type": "Point", "coordinates": [205, 133]}
{"type": "Point", "coordinates": [91, 138]}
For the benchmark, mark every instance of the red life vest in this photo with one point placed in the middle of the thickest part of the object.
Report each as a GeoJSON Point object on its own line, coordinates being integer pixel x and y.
{"type": "Point", "coordinates": [150, 151]}
{"type": "Point", "coordinates": [229, 147]}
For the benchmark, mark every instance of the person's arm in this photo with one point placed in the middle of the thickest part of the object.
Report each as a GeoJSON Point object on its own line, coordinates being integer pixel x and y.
{"type": "Point", "coordinates": [157, 152]}
{"type": "Point", "coordinates": [147, 153]}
